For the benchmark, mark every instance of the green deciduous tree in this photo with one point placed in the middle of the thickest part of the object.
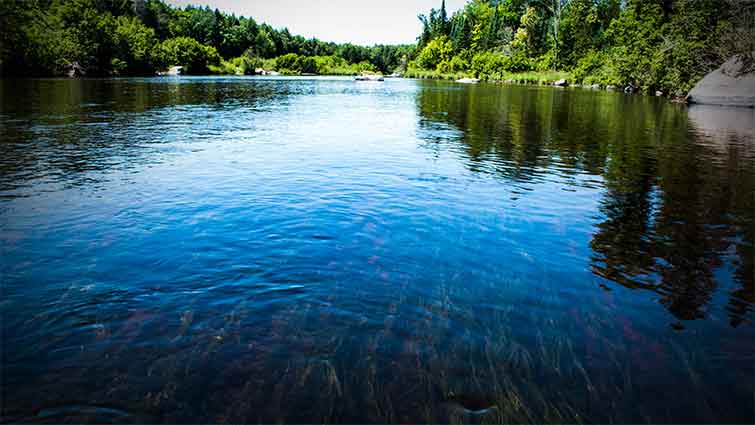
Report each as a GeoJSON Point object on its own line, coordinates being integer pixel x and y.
{"type": "Point", "coordinates": [435, 52]}
{"type": "Point", "coordinates": [666, 44]}
{"type": "Point", "coordinates": [634, 38]}
{"type": "Point", "coordinates": [134, 43]}
{"type": "Point", "coordinates": [187, 52]}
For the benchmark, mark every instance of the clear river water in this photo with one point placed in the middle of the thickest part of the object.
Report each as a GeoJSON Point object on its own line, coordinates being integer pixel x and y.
{"type": "Point", "coordinates": [322, 250]}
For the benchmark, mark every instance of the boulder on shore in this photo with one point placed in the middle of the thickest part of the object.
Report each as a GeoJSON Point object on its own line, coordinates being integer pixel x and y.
{"type": "Point", "coordinates": [73, 70]}
{"type": "Point", "coordinates": [175, 70]}
{"type": "Point", "coordinates": [172, 71]}
{"type": "Point", "coordinates": [733, 84]}
{"type": "Point", "coordinates": [260, 71]}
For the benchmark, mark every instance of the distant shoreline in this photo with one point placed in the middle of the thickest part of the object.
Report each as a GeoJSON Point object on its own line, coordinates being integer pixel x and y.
{"type": "Point", "coordinates": [522, 79]}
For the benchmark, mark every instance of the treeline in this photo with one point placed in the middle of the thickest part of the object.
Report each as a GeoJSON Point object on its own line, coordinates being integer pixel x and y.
{"type": "Point", "coordinates": [140, 37]}
{"type": "Point", "coordinates": [664, 45]}
{"type": "Point", "coordinates": [652, 44]}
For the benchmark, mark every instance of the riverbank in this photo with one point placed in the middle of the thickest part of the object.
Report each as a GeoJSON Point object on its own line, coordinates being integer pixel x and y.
{"type": "Point", "coordinates": [539, 78]}
{"type": "Point", "coordinates": [534, 78]}
{"type": "Point", "coordinates": [531, 77]}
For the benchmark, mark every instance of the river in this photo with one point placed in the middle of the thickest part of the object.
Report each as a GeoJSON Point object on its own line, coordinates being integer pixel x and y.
{"type": "Point", "coordinates": [322, 250]}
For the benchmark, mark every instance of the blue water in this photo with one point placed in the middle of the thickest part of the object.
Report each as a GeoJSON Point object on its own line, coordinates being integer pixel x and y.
{"type": "Point", "coordinates": [321, 250]}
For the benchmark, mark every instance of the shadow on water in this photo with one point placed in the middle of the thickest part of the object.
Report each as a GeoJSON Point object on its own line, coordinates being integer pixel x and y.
{"type": "Point", "coordinates": [679, 200]}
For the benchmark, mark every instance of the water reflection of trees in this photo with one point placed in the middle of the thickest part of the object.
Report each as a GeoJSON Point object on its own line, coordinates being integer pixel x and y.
{"type": "Point", "coordinates": [61, 130]}
{"type": "Point", "coordinates": [677, 215]}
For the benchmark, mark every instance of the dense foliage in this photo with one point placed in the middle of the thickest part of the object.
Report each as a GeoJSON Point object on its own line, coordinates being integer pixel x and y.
{"type": "Point", "coordinates": [652, 44]}
{"type": "Point", "coordinates": [140, 37]}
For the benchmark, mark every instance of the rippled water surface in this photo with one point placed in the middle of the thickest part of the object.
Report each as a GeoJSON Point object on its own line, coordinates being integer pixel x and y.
{"type": "Point", "coordinates": [321, 250]}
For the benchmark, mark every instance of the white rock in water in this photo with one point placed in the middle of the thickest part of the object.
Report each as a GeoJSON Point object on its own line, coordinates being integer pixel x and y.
{"type": "Point", "coordinates": [368, 77]}
{"type": "Point", "coordinates": [175, 70]}
{"type": "Point", "coordinates": [468, 80]}
{"type": "Point", "coordinates": [561, 83]}
{"type": "Point", "coordinates": [733, 84]}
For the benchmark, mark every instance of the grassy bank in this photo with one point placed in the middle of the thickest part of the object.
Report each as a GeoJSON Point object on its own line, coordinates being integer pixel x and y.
{"type": "Point", "coordinates": [434, 75]}
{"type": "Point", "coordinates": [530, 77]}
{"type": "Point", "coordinates": [534, 77]}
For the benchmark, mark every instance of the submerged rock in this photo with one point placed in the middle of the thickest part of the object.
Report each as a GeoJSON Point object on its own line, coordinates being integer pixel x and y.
{"type": "Point", "coordinates": [470, 404]}
{"type": "Point", "coordinates": [733, 84]}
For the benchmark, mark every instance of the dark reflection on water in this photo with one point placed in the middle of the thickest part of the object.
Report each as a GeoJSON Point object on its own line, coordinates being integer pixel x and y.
{"type": "Point", "coordinates": [679, 194]}
{"type": "Point", "coordinates": [293, 250]}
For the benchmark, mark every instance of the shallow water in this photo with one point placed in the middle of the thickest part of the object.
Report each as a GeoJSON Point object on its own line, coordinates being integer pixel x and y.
{"type": "Point", "coordinates": [320, 250]}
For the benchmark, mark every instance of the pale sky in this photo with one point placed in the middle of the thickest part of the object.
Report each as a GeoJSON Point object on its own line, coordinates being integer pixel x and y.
{"type": "Point", "coordinates": [363, 22]}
